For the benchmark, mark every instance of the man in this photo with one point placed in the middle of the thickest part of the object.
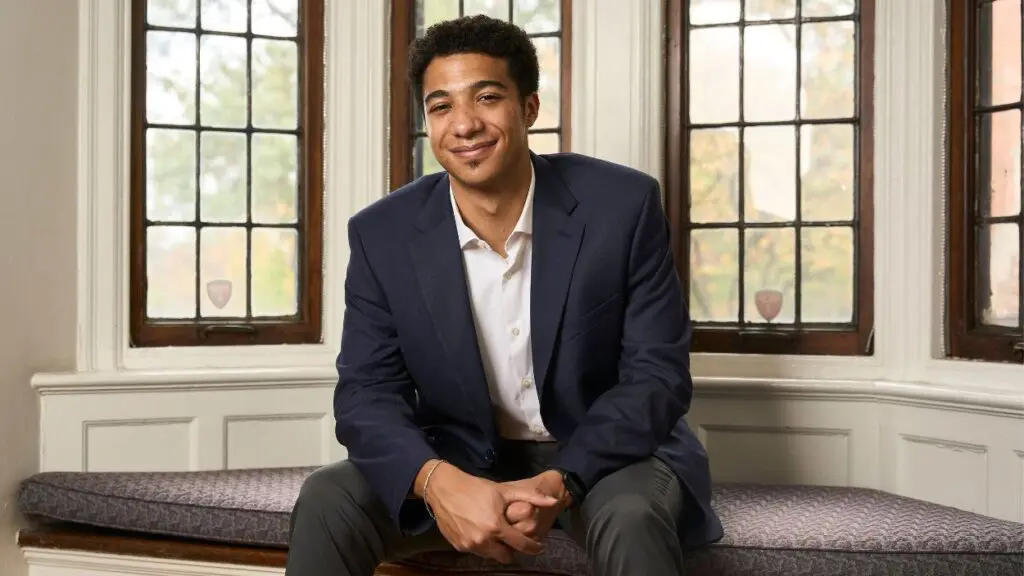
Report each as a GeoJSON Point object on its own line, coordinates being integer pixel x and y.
{"type": "Point", "coordinates": [515, 349]}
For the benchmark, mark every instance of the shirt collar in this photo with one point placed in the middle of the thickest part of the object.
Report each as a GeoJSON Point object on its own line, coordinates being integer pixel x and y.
{"type": "Point", "coordinates": [523, 226]}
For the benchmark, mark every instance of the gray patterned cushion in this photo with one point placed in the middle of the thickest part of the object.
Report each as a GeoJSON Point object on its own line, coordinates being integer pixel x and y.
{"type": "Point", "coordinates": [790, 530]}
{"type": "Point", "coordinates": [234, 506]}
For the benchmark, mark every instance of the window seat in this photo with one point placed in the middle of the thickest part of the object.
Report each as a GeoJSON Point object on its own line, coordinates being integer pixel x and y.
{"type": "Point", "coordinates": [241, 516]}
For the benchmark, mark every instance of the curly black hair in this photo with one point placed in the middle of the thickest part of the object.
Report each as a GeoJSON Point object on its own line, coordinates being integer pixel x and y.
{"type": "Point", "coordinates": [477, 34]}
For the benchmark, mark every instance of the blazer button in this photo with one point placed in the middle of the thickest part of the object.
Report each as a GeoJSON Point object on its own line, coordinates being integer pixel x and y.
{"type": "Point", "coordinates": [489, 456]}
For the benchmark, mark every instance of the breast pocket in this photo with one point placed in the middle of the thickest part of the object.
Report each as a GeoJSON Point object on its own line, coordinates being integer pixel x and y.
{"type": "Point", "coordinates": [593, 317]}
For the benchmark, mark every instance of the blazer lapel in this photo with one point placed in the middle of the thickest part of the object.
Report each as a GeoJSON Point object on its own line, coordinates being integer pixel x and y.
{"type": "Point", "coordinates": [437, 260]}
{"type": "Point", "coordinates": [557, 235]}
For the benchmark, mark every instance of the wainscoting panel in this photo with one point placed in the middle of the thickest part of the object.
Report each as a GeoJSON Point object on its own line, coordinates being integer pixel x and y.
{"type": "Point", "coordinates": [277, 440]}
{"type": "Point", "coordinates": [964, 481]}
{"type": "Point", "coordinates": [790, 441]}
{"type": "Point", "coordinates": [971, 459]}
{"type": "Point", "coordinates": [779, 455]}
{"type": "Point", "coordinates": [964, 459]}
{"type": "Point", "coordinates": [178, 428]}
{"type": "Point", "coordinates": [139, 445]}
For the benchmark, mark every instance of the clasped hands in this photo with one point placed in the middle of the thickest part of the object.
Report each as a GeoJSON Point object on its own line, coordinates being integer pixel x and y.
{"type": "Point", "coordinates": [492, 519]}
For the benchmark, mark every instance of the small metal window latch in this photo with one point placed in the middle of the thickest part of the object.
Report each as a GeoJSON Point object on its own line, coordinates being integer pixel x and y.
{"type": "Point", "coordinates": [207, 331]}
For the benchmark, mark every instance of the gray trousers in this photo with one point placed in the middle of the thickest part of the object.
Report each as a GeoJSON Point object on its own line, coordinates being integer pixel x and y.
{"type": "Point", "coordinates": [627, 523]}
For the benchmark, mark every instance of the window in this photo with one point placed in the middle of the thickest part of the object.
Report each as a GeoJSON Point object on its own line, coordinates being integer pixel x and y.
{"type": "Point", "coordinates": [226, 183]}
{"type": "Point", "coordinates": [768, 182]}
{"type": "Point", "coordinates": [986, 225]}
{"type": "Point", "coordinates": [548, 24]}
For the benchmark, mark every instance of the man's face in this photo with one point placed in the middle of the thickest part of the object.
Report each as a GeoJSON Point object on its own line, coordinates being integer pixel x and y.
{"type": "Point", "coordinates": [476, 120]}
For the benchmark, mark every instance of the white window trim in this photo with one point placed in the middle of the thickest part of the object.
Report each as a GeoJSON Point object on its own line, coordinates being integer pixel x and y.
{"type": "Point", "coordinates": [355, 156]}
{"type": "Point", "coordinates": [617, 117]}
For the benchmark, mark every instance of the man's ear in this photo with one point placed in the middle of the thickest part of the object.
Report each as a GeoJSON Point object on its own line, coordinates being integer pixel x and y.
{"type": "Point", "coordinates": [531, 109]}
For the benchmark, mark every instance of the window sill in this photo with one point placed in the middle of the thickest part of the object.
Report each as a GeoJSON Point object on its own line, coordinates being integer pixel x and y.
{"type": "Point", "coordinates": [218, 358]}
{"type": "Point", "coordinates": [55, 383]}
{"type": "Point", "coordinates": [961, 397]}
{"type": "Point", "coordinates": [949, 383]}
{"type": "Point", "coordinates": [780, 367]}
{"type": "Point", "coordinates": [1007, 378]}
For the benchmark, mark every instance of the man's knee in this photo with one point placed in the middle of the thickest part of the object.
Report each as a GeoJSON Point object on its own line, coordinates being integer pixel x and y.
{"type": "Point", "coordinates": [626, 524]}
{"type": "Point", "coordinates": [628, 513]}
{"type": "Point", "coordinates": [337, 487]}
{"type": "Point", "coordinates": [638, 501]}
{"type": "Point", "coordinates": [336, 522]}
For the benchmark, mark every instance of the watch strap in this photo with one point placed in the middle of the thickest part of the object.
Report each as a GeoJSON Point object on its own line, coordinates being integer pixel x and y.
{"type": "Point", "coordinates": [573, 486]}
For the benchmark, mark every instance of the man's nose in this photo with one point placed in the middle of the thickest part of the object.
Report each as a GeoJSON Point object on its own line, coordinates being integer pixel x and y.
{"type": "Point", "coordinates": [465, 122]}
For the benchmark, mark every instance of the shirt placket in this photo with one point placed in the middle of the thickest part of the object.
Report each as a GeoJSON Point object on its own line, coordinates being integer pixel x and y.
{"type": "Point", "coordinates": [517, 308]}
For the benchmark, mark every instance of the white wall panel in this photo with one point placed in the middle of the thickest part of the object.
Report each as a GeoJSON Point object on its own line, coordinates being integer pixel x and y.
{"type": "Point", "coordinates": [189, 429]}
{"type": "Point", "coordinates": [276, 440]}
{"type": "Point", "coordinates": [778, 455]}
{"type": "Point", "coordinates": [142, 445]}
{"type": "Point", "coordinates": [938, 469]}
{"type": "Point", "coordinates": [972, 459]}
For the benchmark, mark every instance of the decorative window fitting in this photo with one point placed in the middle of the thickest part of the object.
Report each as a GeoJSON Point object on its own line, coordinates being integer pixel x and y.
{"type": "Point", "coordinates": [226, 184]}
{"type": "Point", "coordinates": [986, 225]}
{"type": "Point", "coordinates": [769, 172]}
{"type": "Point", "coordinates": [548, 22]}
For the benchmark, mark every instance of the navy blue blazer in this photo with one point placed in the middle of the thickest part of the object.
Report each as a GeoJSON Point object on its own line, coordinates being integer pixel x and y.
{"type": "Point", "coordinates": [610, 338]}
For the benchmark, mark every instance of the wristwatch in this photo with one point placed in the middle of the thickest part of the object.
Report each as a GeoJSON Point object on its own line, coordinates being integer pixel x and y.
{"type": "Point", "coordinates": [574, 486]}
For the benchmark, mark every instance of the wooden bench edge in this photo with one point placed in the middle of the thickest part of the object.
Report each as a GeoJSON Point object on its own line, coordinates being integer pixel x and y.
{"type": "Point", "coordinates": [112, 542]}
{"type": "Point", "coordinates": [102, 541]}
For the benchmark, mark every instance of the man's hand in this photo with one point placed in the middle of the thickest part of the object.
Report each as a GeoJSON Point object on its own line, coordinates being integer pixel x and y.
{"type": "Point", "coordinates": [470, 513]}
{"type": "Point", "coordinates": [532, 521]}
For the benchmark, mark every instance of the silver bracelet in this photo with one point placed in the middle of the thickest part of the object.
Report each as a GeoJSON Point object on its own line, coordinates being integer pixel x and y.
{"type": "Point", "coordinates": [426, 482]}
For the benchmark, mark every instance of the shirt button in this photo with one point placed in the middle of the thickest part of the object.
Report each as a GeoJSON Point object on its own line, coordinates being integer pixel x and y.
{"type": "Point", "coordinates": [507, 275]}
{"type": "Point", "coordinates": [526, 382]}
{"type": "Point", "coordinates": [538, 430]}
{"type": "Point", "coordinates": [515, 331]}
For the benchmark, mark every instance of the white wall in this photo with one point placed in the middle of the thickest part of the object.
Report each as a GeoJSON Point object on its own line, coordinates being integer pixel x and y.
{"type": "Point", "coordinates": [37, 229]}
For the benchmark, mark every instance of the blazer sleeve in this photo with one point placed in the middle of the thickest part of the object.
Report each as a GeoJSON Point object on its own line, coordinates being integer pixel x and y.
{"type": "Point", "coordinates": [632, 419]}
{"type": "Point", "coordinates": [374, 397]}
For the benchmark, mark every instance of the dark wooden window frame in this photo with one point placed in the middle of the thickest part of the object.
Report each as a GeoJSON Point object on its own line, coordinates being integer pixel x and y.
{"type": "Point", "coordinates": [403, 32]}
{"type": "Point", "coordinates": [965, 337]}
{"type": "Point", "coordinates": [839, 340]}
{"type": "Point", "coordinates": [305, 327]}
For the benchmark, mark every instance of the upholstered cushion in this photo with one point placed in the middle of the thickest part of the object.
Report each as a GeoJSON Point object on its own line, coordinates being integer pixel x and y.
{"type": "Point", "coordinates": [789, 530]}
{"type": "Point", "coordinates": [234, 506]}
{"type": "Point", "coordinates": [813, 530]}
{"type": "Point", "coordinates": [855, 520]}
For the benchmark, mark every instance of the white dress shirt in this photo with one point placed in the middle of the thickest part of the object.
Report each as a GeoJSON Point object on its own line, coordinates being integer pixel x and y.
{"type": "Point", "coordinates": [499, 291]}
